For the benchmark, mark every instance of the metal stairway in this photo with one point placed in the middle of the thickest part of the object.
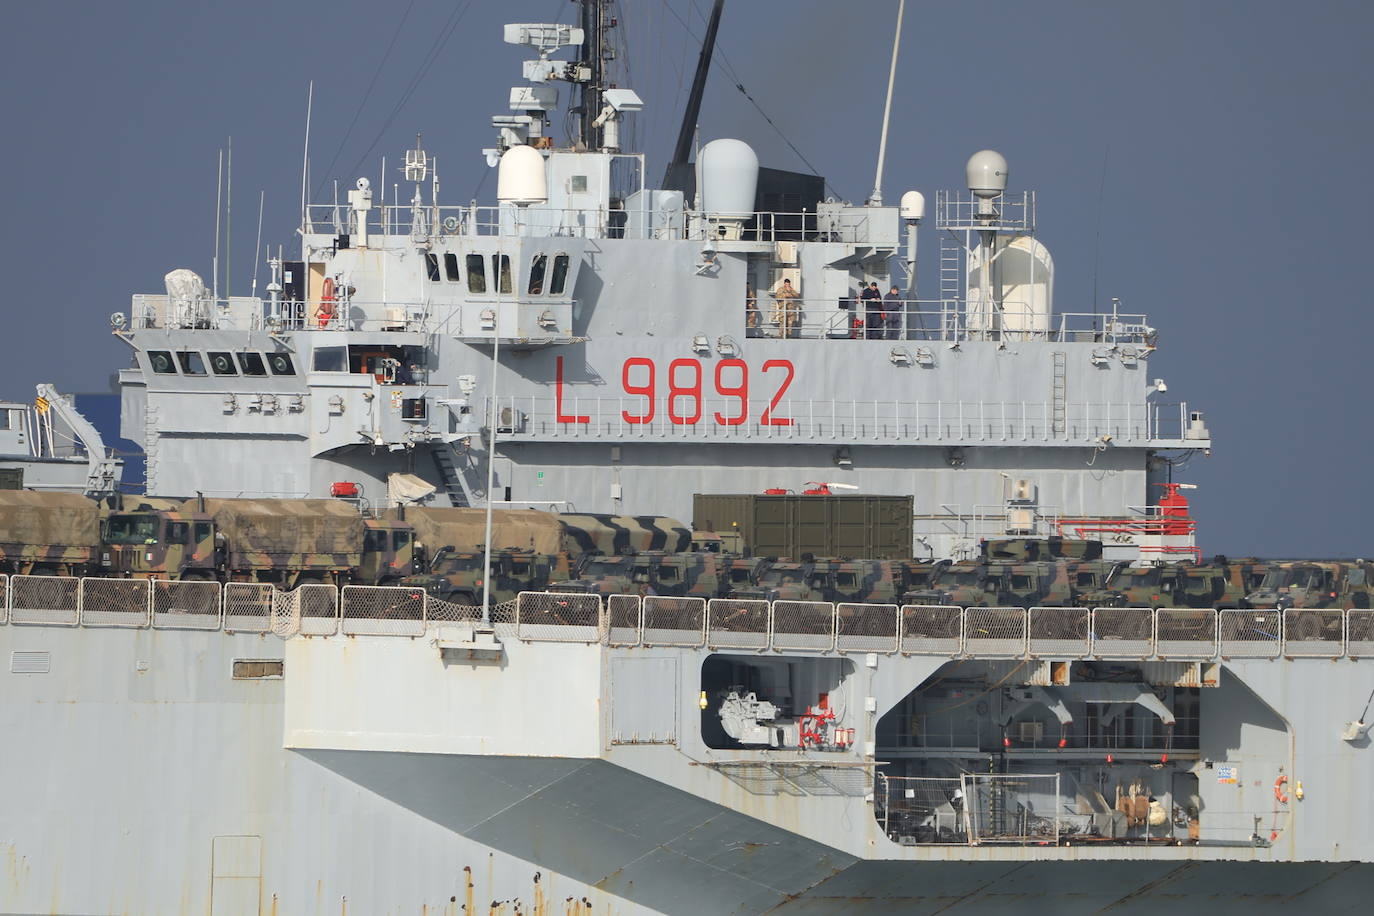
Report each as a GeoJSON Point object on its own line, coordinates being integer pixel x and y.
{"type": "Point", "coordinates": [451, 476]}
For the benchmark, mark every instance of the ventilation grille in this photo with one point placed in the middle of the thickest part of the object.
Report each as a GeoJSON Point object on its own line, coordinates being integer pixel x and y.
{"type": "Point", "coordinates": [30, 662]}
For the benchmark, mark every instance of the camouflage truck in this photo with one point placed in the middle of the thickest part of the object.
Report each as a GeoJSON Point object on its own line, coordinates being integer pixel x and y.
{"type": "Point", "coordinates": [613, 535]}
{"type": "Point", "coordinates": [456, 575]}
{"type": "Point", "coordinates": [48, 534]}
{"type": "Point", "coordinates": [678, 575]}
{"type": "Point", "coordinates": [464, 531]}
{"type": "Point", "coordinates": [849, 581]}
{"type": "Point", "coordinates": [914, 577]}
{"type": "Point", "coordinates": [1212, 585]}
{"type": "Point", "coordinates": [1315, 585]}
{"type": "Point", "coordinates": [1031, 550]}
{"type": "Point", "coordinates": [1040, 584]}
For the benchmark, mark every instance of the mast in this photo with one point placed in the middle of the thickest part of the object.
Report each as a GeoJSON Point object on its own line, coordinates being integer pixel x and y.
{"type": "Point", "coordinates": [683, 151]}
{"type": "Point", "coordinates": [593, 56]}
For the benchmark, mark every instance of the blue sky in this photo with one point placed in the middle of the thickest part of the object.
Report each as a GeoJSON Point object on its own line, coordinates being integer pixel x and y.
{"type": "Point", "coordinates": [1235, 138]}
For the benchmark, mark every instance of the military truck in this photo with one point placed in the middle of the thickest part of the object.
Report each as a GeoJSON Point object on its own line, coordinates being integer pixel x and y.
{"type": "Point", "coordinates": [1212, 585]}
{"type": "Point", "coordinates": [1346, 584]}
{"type": "Point", "coordinates": [1031, 550]}
{"type": "Point", "coordinates": [287, 542]}
{"type": "Point", "coordinates": [698, 575]}
{"type": "Point", "coordinates": [457, 575]}
{"type": "Point", "coordinates": [612, 535]}
{"type": "Point", "coordinates": [911, 577]}
{"type": "Point", "coordinates": [1040, 584]}
{"type": "Point", "coordinates": [850, 581]}
{"type": "Point", "coordinates": [48, 534]}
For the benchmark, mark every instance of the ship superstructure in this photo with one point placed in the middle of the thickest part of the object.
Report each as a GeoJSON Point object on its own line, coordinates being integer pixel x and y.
{"type": "Point", "coordinates": [591, 343]}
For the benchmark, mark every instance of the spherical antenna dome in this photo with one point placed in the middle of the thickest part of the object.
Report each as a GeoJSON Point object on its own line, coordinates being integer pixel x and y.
{"type": "Point", "coordinates": [520, 178]}
{"type": "Point", "coordinates": [987, 173]}
{"type": "Point", "coordinates": [913, 205]}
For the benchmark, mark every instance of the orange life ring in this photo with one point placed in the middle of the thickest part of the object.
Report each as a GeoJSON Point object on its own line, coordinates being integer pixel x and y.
{"type": "Point", "coordinates": [1278, 789]}
{"type": "Point", "coordinates": [326, 312]}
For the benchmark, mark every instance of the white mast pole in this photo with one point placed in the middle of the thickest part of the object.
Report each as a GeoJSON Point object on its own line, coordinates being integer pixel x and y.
{"type": "Point", "coordinates": [305, 162]}
{"type": "Point", "coordinates": [257, 247]}
{"type": "Point", "coordinates": [876, 197]}
{"type": "Point", "coordinates": [228, 218]}
{"type": "Point", "coordinates": [219, 204]}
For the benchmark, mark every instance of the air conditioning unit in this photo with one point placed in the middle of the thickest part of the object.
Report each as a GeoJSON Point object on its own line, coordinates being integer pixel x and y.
{"type": "Point", "coordinates": [1022, 491]}
{"type": "Point", "coordinates": [785, 253]}
{"type": "Point", "coordinates": [509, 421]}
{"type": "Point", "coordinates": [1020, 521]}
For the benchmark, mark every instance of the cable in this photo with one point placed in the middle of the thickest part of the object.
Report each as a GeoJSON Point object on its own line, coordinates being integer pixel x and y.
{"type": "Point", "coordinates": [363, 104]}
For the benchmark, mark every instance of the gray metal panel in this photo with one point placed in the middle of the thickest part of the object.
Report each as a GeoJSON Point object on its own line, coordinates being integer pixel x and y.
{"type": "Point", "coordinates": [644, 699]}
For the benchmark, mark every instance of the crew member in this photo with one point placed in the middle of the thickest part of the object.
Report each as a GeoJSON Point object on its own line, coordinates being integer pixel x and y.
{"type": "Point", "coordinates": [873, 311]}
{"type": "Point", "coordinates": [895, 310]}
{"type": "Point", "coordinates": [786, 312]}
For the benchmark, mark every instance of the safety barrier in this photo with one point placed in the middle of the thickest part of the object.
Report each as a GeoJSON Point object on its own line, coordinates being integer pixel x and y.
{"type": "Point", "coordinates": [382, 610]}
{"type": "Point", "coordinates": [625, 620]}
{"type": "Point", "coordinates": [674, 621]}
{"type": "Point", "coordinates": [51, 600]}
{"type": "Point", "coordinates": [804, 625]}
{"type": "Point", "coordinates": [114, 602]}
{"type": "Point", "coordinates": [1185, 633]}
{"type": "Point", "coordinates": [1250, 633]}
{"type": "Point", "coordinates": [737, 623]}
{"type": "Point", "coordinates": [720, 624]}
{"type": "Point", "coordinates": [1313, 633]}
{"type": "Point", "coordinates": [186, 605]}
{"type": "Point", "coordinates": [866, 627]}
{"type": "Point", "coordinates": [931, 629]}
{"type": "Point", "coordinates": [558, 617]}
{"type": "Point", "coordinates": [1359, 634]}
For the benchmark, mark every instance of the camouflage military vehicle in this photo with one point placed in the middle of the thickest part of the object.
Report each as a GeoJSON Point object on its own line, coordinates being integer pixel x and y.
{"type": "Point", "coordinates": [1315, 585]}
{"type": "Point", "coordinates": [1040, 584]}
{"type": "Point", "coordinates": [1031, 550]}
{"type": "Point", "coordinates": [456, 575]}
{"type": "Point", "coordinates": [613, 535]}
{"type": "Point", "coordinates": [698, 575]}
{"type": "Point", "coordinates": [1211, 585]}
{"type": "Point", "coordinates": [48, 534]}
{"type": "Point", "coordinates": [464, 530]}
{"type": "Point", "coordinates": [914, 577]}
{"type": "Point", "coordinates": [850, 581]}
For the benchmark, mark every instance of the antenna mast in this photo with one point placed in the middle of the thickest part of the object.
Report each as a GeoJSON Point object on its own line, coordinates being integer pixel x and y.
{"type": "Point", "coordinates": [593, 56]}
{"type": "Point", "coordinates": [876, 198]}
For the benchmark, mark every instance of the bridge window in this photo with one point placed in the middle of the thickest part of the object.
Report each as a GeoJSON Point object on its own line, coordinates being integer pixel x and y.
{"type": "Point", "coordinates": [161, 361]}
{"type": "Point", "coordinates": [451, 267]}
{"type": "Point", "coordinates": [432, 266]}
{"type": "Point", "coordinates": [252, 364]}
{"type": "Point", "coordinates": [537, 267]}
{"type": "Point", "coordinates": [222, 364]}
{"type": "Point", "coordinates": [502, 271]}
{"type": "Point", "coordinates": [191, 363]}
{"type": "Point", "coordinates": [281, 364]}
{"type": "Point", "coordinates": [477, 274]}
{"type": "Point", "coordinates": [560, 275]}
{"type": "Point", "coordinates": [331, 359]}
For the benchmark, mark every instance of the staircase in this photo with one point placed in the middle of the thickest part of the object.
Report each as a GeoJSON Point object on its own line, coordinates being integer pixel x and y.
{"type": "Point", "coordinates": [450, 476]}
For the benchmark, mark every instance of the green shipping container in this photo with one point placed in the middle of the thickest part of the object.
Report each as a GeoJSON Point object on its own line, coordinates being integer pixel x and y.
{"type": "Point", "coordinates": [868, 527]}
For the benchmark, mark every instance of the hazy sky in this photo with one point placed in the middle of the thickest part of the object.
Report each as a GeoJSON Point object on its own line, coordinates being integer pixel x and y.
{"type": "Point", "coordinates": [1235, 138]}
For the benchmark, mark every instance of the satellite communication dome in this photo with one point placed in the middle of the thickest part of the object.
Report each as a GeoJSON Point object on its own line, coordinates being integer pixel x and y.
{"type": "Point", "coordinates": [728, 178]}
{"type": "Point", "coordinates": [913, 205]}
{"type": "Point", "coordinates": [987, 173]}
{"type": "Point", "coordinates": [520, 178]}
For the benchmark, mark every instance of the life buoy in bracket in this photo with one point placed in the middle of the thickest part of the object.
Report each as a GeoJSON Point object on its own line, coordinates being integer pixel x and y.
{"type": "Point", "coordinates": [327, 303]}
{"type": "Point", "coordinates": [1278, 789]}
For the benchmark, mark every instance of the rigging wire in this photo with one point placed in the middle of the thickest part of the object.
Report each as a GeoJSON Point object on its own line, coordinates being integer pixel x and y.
{"type": "Point", "coordinates": [366, 95]}
{"type": "Point", "coordinates": [440, 41]}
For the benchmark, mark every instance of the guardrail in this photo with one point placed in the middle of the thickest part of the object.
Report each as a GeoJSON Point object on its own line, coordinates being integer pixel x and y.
{"type": "Point", "coordinates": [625, 621]}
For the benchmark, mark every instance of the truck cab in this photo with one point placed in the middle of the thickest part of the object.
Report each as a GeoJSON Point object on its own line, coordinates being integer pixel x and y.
{"type": "Point", "coordinates": [1315, 585]}
{"type": "Point", "coordinates": [650, 573]}
{"type": "Point", "coordinates": [457, 575]}
{"type": "Point", "coordinates": [850, 581]}
{"type": "Point", "coordinates": [152, 543]}
{"type": "Point", "coordinates": [389, 552]}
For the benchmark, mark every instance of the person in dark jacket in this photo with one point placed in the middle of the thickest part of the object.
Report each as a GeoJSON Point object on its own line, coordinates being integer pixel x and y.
{"type": "Point", "coordinates": [873, 311]}
{"type": "Point", "coordinates": [895, 310]}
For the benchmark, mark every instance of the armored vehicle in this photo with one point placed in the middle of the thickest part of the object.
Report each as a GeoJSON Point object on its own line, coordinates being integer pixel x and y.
{"type": "Point", "coordinates": [913, 577]}
{"type": "Point", "coordinates": [1183, 585]}
{"type": "Point", "coordinates": [650, 573]}
{"type": "Point", "coordinates": [48, 533]}
{"type": "Point", "coordinates": [852, 581]}
{"type": "Point", "coordinates": [1041, 584]}
{"type": "Point", "coordinates": [1315, 585]}
{"type": "Point", "coordinates": [456, 575]}
{"type": "Point", "coordinates": [619, 534]}
{"type": "Point", "coordinates": [1029, 550]}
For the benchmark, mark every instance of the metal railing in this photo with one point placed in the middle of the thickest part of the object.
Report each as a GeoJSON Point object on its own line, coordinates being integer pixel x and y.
{"type": "Point", "coordinates": [687, 417]}
{"type": "Point", "coordinates": [624, 621]}
{"type": "Point", "coordinates": [969, 810]}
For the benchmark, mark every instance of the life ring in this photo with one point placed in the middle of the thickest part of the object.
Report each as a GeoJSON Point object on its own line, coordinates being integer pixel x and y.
{"type": "Point", "coordinates": [1278, 789]}
{"type": "Point", "coordinates": [327, 311]}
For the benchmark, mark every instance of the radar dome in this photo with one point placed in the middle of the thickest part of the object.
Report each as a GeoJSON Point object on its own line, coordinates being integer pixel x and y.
{"type": "Point", "coordinates": [987, 173]}
{"type": "Point", "coordinates": [728, 178]}
{"type": "Point", "coordinates": [913, 205]}
{"type": "Point", "coordinates": [520, 178]}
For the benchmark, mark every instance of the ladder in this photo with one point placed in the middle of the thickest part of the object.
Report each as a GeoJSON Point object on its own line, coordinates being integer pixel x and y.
{"type": "Point", "coordinates": [451, 477]}
{"type": "Point", "coordinates": [951, 281]}
{"type": "Point", "coordinates": [1060, 393]}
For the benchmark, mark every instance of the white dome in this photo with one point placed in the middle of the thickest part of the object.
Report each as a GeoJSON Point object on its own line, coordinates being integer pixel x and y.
{"type": "Point", "coordinates": [520, 178]}
{"type": "Point", "coordinates": [913, 205]}
{"type": "Point", "coordinates": [987, 173]}
{"type": "Point", "coordinates": [728, 178]}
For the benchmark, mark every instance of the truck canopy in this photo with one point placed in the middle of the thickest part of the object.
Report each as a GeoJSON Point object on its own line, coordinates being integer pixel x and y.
{"type": "Point", "coordinates": [465, 529]}
{"type": "Point", "coordinates": [616, 534]}
{"type": "Point", "coordinates": [41, 519]}
{"type": "Point", "coordinates": [286, 526]}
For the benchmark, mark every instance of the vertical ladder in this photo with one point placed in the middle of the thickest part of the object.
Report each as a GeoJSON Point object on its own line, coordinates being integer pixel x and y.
{"type": "Point", "coordinates": [450, 477]}
{"type": "Point", "coordinates": [951, 277]}
{"type": "Point", "coordinates": [1060, 393]}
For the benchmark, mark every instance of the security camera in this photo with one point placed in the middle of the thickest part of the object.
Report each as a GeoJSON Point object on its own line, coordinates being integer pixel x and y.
{"type": "Point", "coordinates": [1160, 386]}
{"type": "Point", "coordinates": [364, 184]}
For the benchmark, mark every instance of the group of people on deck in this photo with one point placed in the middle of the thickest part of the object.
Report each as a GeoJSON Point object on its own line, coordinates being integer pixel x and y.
{"type": "Point", "coordinates": [871, 314]}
